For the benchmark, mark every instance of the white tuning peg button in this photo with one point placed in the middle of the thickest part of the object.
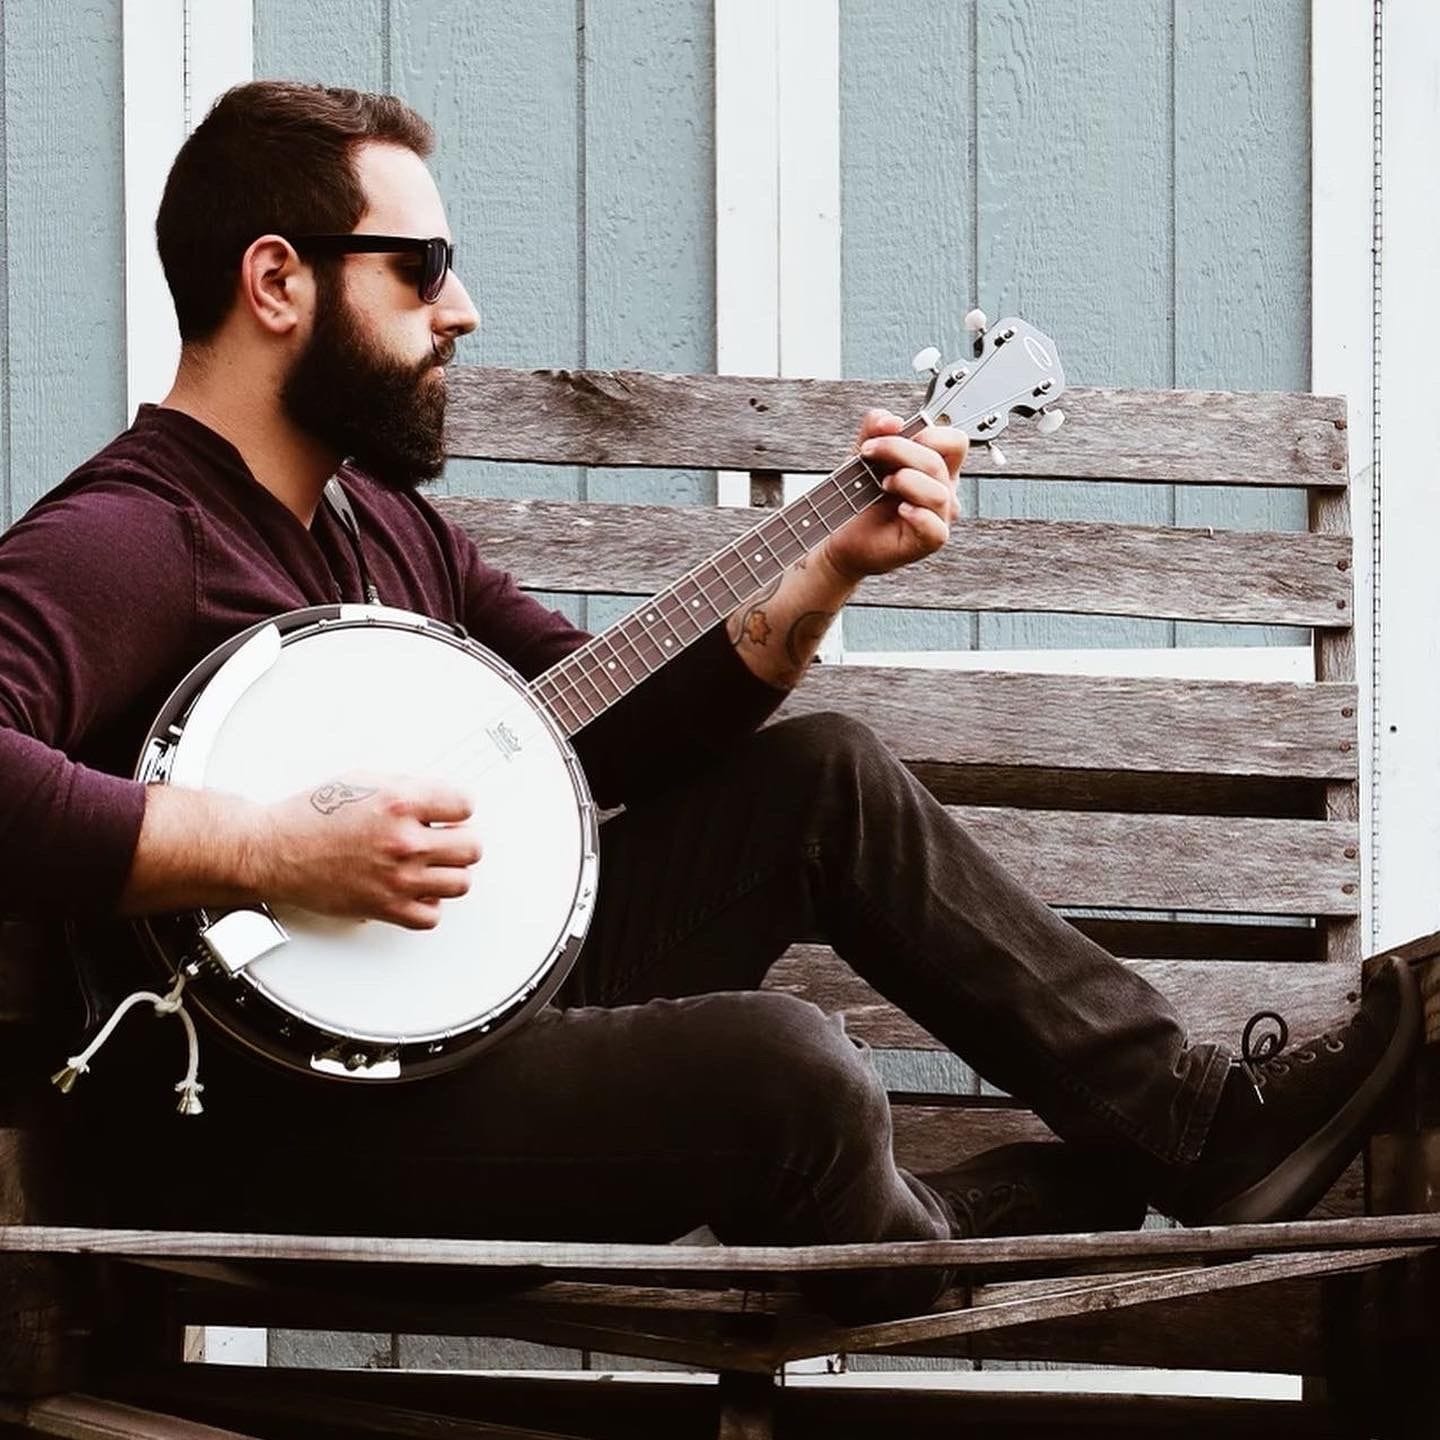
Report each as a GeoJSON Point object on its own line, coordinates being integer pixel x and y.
{"type": "Point", "coordinates": [997, 455]}
{"type": "Point", "coordinates": [1050, 421]}
{"type": "Point", "coordinates": [975, 321]}
{"type": "Point", "coordinates": [927, 361]}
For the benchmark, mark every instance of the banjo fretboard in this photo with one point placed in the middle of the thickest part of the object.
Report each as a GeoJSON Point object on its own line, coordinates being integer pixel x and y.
{"type": "Point", "coordinates": [607, 667]}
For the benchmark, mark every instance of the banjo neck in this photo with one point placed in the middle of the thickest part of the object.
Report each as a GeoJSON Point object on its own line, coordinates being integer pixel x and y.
{"type": "Point", "coordinates": [607, 667]}
{"type": "Point", "coordinates": [1014, 368]}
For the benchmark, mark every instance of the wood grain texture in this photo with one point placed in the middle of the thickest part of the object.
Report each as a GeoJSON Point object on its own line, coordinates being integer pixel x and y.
{"type": "Point", "coordinates": [578, 1259]}
{"type": "Point", "coordinates": [649, 209]}
{"type": "Point", "coordinates": [1080, 568]}
{"type": "Point", "coordinates": [87, 1417]}
{"type": "Point", "coordinates": [64, 162]}
{"type": "Point", "coordinates": [328, 42]}
{"type": "Point", "coordinates": [1095, 723]}
{"type": "Point", "coordinates": [1215, 998]}
{"type": "Point", "coordinates": [1242, 234]}
{"type": "Point", "coordinates": [502, 85]}
{"type": "Point", "coordinates": [1073, 185]}
{"type": "Point", "coordinates": [628, 417]}
{"type": "Point", "coordinates": [1085, 1297]}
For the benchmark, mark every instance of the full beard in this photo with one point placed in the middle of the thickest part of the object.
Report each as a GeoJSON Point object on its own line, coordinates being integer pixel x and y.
{"type": "Point", "coordinates": [386, 416]}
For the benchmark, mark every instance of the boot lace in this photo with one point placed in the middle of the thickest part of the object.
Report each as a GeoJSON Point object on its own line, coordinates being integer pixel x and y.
{"type": "Point", "coordinates": [1260, 1055]}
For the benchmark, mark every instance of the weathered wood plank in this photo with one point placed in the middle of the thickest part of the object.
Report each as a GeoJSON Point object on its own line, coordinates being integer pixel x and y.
{"type": "Point", "coordinates": [1062, 566]}
{"type": "Point", "coordinates": [86, 1417]}
{"type": "Point", "coordinates": [730, 422]}
{"type": "Point", "coordinates": [1086, 1298]}
{"type": "Point", "coordinates": [1215, 997]}
{"type": "Point", "coordinates": [808, 1406]}
{"type": "Point", "coordinates": [561, 1257]}
{"type": "Point", "coordinates": [931, 1136]}
{"type": "Point", "coordinates": [1188, 862]}
{"type": "Point", "coordinates": [1104, 723]}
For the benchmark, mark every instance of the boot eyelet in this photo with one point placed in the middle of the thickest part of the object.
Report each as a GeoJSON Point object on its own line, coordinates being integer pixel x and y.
{"type": "Point", "coordinates": [1306, 1057]}
{"type": "Point", "coordinates": [1334, 1048]}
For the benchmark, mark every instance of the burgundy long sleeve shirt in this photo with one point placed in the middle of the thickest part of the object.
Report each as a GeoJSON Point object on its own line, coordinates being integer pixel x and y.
{"type": "Point", "coordinates": [162, 546]}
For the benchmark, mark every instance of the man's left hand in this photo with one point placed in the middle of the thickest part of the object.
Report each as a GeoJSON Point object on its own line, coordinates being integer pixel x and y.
{"type": "Point", "coordinates": [914, 519]}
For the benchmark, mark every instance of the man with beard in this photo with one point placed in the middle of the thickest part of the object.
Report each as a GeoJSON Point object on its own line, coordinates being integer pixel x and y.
{"type": "Point", "coordinates": [307, 251]}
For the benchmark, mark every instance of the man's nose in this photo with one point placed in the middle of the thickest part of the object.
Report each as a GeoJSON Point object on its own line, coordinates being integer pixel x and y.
{"type": "Point", "coordinates": [455, 314]}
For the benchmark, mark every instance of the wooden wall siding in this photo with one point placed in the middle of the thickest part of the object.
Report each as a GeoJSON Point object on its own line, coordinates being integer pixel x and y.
{"type": "Point", "coordinates": [1134, 177]}
{"type": "Point", "coordinates": [62, 276]}
{"type": "Point", "coordinates": [576, 157]}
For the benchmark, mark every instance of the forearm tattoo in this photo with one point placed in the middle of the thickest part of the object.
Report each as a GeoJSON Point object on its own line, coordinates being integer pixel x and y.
{"type": "Point", "coordinates": [751, 623]}
{"type": "Point", "coordinates": [330, 797]}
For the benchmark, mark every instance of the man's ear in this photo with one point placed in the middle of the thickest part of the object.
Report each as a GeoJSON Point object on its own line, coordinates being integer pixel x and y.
{"type": "Point", "coordinates": [275, 287]}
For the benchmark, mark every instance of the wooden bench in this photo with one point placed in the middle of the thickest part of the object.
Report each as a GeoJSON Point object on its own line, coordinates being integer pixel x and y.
{"type": "Point", "coordinates": [1206, 829]}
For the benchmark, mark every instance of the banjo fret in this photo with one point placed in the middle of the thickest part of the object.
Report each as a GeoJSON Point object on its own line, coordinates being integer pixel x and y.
{"type": "Point", "coordinates": [700, 599]}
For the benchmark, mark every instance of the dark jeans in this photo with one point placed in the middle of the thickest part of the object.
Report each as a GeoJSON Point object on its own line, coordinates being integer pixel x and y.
{"type": "Point", "coordinates": [664, 1090]}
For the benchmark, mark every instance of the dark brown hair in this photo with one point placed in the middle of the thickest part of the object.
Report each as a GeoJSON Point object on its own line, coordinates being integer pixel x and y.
{"type": "Point", "coordinates": [270, 157]}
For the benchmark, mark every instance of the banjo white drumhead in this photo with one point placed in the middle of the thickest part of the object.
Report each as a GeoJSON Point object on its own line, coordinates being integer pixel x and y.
{"type": "Point", "coordinates": [380, 701]}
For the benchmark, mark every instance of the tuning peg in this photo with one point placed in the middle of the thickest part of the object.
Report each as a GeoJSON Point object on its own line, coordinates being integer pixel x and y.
{"type": "Point", "coordinates": [975, 322]}
{"type": "Point", "coordinates": [927, 362]}
{"type": "Point", "coordinates": [997, 455]}
{"type": "Point", "coordinates": [1050, 421]}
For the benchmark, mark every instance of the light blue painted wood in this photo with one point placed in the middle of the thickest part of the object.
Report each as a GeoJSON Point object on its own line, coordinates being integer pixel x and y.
{"type": "Point", "coordinates": [907, 208]}
{"type": "Point", "coordinates": [324, 42]}
{"type": "Point", "coordinates": [649, 208]}
{"type": "Point", "coordinates": [1074, 220]}
{"type": "Point", "coordinates": [6, 506]}
{"type": "Point", "coordinates": [65, 240]}
{"type": "Point", "coordinates": [1242, 238]}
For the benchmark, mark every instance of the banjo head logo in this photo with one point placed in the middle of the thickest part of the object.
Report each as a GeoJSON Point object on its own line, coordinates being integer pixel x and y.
{"type": "Point", "coordinates": [507, 742]}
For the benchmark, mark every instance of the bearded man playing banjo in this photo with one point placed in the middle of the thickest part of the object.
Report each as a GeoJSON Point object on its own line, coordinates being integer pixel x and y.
{"type": "Point", "coordinates": [657, 1089]}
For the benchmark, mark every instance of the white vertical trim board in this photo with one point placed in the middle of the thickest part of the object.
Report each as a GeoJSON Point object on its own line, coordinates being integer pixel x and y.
{"type": "Point", "coordinates": [777, 202]}
{"type": "Point", "coordinates": [747, 200]}
{"type": "Point", "coordinates": [178, 56]}
{"type": "Point", "coordinates": [1407, 773]}
{"type": "Point", "coordinates": [1342, 312]}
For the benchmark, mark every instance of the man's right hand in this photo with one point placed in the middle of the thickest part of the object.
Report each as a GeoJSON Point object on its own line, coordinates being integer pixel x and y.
{"type": "Point", "coordinates": [361, 847]}
{"type": "Point", "coordinates": [369, 849]}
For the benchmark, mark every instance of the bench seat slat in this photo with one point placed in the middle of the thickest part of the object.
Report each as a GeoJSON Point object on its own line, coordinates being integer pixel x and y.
{"type": "Point", "coordinates": [734, 422]}
{"type": "Point", "coordinates": [1071, 567]}
{"type": "Point", "coordinates": [1095, 723]}
{"type": "Point", "coordinates": [1215, 997]}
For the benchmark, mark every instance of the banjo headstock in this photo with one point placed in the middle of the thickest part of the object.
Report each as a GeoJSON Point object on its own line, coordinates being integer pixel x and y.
{"type": "Point", "coordinates": [1015, 370]}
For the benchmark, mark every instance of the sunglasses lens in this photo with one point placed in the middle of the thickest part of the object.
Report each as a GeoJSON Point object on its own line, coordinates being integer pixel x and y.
{"type": "Point", "coordinates": [438, 256]}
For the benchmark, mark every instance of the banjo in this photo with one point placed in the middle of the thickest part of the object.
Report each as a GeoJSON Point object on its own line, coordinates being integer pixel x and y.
{"type": "Point", "coordinates": [370, 1001]}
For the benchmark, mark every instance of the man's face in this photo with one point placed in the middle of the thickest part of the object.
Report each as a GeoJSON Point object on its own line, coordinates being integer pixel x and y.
{"type": "Point", "coordinates": [369, 382]}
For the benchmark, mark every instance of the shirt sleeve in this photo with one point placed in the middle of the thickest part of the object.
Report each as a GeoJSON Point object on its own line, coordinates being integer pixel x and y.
{"type": "Point", "coordinates": [97, 592]}
{"type": "Point", "coordinates": [686, 714]}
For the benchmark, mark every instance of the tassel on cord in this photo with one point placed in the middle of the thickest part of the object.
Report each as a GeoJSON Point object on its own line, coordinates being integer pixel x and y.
{"type": "Point", "coordinates": [168, 1004]}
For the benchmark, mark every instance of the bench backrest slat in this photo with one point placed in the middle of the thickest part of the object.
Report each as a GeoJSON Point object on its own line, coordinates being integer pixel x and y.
{"type": "Point", "coordinates": [727, 422]}
{"type": "Point", "coordinates": [1268, 578]}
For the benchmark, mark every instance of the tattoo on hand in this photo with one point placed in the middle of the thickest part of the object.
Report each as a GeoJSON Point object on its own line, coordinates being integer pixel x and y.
{"type": "Point", "coordinates": [329, 798]}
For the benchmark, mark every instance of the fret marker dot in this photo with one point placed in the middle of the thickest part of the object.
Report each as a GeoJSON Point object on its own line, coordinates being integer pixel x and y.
{"type": "Point", "coordinates": [611, 665]}
{"type": "Point", "coordinates": [669, 643]}
{"type": "Point", "coordinates": [694, 604]}
{"type": "Point", "coordinates": [857, 484]}
{"type": "Point", "coordinates": [804, 522]}
{"type": "Point", "coordinates": [651, 615]}
{"type": "Point", "coordinates": [757, 554]}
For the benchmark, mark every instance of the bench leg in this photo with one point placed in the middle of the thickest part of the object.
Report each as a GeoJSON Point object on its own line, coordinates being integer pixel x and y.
{"type": "Point", "coordinates": [747, 1406]}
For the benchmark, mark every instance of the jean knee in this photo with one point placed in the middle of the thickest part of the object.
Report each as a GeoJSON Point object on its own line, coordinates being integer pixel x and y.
{"type": "Point", "coordinates": [816, 1085]}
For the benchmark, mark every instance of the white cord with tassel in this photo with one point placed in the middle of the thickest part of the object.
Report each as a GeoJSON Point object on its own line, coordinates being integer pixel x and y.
{"type": "Point", "coordinates": [168, 1004]}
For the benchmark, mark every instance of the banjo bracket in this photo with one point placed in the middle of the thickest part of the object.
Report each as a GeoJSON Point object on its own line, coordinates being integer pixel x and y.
{"type": "Point", "coordinates": [240, 937]}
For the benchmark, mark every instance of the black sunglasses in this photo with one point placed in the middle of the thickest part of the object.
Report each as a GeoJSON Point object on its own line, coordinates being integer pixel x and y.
{"type": "Point", "coordinates": [437, 254]}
